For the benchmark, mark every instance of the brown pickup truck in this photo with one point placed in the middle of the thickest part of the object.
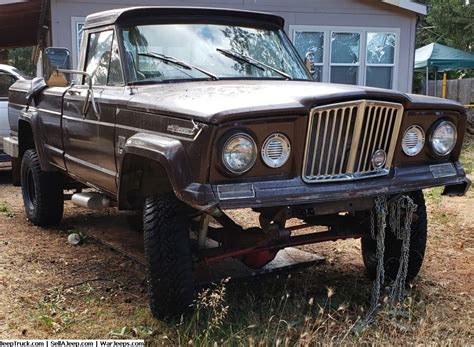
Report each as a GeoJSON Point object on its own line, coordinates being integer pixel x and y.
{"type": "Point", "coordinates": [182, 113]}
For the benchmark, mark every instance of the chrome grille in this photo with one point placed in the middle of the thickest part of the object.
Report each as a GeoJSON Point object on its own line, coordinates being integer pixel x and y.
{"type": "Point", "coordinates": [342, 138]}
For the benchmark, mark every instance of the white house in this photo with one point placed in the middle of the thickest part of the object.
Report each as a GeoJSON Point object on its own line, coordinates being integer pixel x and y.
{"type": "Point", "coordinates": [364, 42]}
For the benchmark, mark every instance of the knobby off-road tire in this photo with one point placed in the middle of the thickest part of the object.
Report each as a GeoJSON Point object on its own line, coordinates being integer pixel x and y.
{"type": "Point", "coordinates": [42, 192]}
{"type": "Point", "coordinates": [419, 229]}
{"type": "Point", "coordinates": [168, 253]}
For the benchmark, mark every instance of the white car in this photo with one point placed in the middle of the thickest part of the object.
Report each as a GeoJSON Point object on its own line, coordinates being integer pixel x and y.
{"type": "Point", "coordinates": [8, 76]}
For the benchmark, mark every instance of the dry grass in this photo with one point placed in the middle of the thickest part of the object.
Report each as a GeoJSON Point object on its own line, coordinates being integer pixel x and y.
{"type": "Point", "coordinates": [49, 289]}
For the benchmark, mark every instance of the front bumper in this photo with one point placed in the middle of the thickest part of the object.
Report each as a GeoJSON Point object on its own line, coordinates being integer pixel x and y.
{"type": "Point", "coordinates": [296, 192]}
{"type": "Point", "coordinates": [10, 146]}
{"type": "Point", "coordinates": [4, 157]}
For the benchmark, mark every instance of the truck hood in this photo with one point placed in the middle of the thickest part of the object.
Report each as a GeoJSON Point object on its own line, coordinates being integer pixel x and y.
{"type": "Point", "coordinates": [215, 102]}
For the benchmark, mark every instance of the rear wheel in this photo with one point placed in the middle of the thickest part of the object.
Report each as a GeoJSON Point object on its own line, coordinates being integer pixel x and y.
{"type": "Point", "coordinates": [42, 191]}
{"type": "Point", "coordinates": [419, 230]}
{"type": "Point", "coordinates": [166, 225]}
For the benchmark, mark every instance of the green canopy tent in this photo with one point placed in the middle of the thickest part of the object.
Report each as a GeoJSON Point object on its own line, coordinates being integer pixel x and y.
{"type": "Point", "coordinates": [442, 58]}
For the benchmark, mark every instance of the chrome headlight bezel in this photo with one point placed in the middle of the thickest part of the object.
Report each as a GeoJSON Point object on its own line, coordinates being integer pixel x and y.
{"type": "Point", "coordinates": [437, 126]}
{"type": "Point", "coordinates": [285, 149]}
{"type": "Point", "coordinates": [224, 153]}
{"type": "Point", "coordinates": [421, 141]}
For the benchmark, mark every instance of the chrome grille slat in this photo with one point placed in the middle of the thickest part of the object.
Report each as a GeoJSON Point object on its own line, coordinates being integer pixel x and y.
{"type": "Point", "coordinates": [346, 137]}
{"type": "Point", "coordinates": [342, 138]}
{"type": "Point", "coordinates": [338, 142]}
{"type": "Point", "coordinates": [331, 138]}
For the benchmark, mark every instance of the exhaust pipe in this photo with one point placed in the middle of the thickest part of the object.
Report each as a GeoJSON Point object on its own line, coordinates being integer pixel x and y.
{"type": "Point", "coordinates": [93, 201]}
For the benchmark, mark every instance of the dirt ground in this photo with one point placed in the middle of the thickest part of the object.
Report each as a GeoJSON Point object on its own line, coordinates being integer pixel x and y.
{"type": "Point", "coordinates": [51, 289]}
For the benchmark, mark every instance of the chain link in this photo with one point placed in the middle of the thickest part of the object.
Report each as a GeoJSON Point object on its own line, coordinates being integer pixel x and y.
{"type": "Point", "coordinates": [401, 228]}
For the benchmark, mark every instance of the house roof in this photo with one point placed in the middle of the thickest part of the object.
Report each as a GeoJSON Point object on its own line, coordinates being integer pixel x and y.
{"type": "Point", "coordinates": [408, 5]}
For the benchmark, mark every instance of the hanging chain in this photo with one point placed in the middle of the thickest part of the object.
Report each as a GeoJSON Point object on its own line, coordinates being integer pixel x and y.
{"type": "Point", "coordinates": [402, 231]}
{"type": "Point", "coordinates": [401, 228]}
{"type": "Point", "coordinates": [379, 236]}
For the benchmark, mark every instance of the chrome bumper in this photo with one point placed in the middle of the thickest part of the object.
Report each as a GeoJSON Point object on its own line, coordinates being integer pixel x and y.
{"type": "Point", "coordinates": [10, 146]}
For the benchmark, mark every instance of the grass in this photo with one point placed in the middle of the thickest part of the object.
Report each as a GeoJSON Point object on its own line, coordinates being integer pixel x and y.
{"type": "Point", "coordinates": [317, 306]}
{"type": "Point", "coordinates": [467, 155]}
{"type": "Point", "coordinates": [273, 311]}
{"type": "Point", "coordinates": [5, 208]}
{"type": "Point", "coordinates": [52, 312]}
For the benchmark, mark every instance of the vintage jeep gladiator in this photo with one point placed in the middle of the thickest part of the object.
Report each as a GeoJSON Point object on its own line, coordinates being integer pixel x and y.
{"type": "Point", "coordinates": [183, 113]}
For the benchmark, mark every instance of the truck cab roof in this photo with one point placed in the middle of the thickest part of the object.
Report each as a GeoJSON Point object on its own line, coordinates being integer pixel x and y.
{"type": "Point", "coordinates": [144, 13]}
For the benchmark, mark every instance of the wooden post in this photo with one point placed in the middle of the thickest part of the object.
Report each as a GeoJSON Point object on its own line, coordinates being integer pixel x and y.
{"type": "Point", "coordinates": [445, 83]}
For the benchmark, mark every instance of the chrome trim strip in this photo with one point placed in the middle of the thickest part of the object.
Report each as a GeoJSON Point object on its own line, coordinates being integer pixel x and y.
{"type": "Point", "coordinates": [138, 130]}
{"type": "Point", "coordinates": [49, 111]}
{"type": "Point", "coordinates": [89, 165]}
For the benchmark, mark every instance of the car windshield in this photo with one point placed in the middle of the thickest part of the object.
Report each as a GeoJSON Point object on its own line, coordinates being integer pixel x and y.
{"type": "Point", "coordinates": [20, 73]}
{"type": "Point", "coordinates": [204, 51]}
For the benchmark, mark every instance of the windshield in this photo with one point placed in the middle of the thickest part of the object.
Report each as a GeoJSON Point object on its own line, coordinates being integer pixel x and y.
{"type": "Point", "coordinates": [206, 50]}
{"type": "Point", "coordinates": [20, 73]}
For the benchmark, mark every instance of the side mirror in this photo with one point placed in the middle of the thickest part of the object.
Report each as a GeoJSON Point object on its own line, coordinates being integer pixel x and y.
{"type": "Point", "coordinates": [54, 59]}
{"type": "Point", "coordinates": [309, 62]}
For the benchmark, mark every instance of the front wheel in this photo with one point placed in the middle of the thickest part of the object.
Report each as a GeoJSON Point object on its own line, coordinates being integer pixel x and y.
{"type": "Point", "coordinates": [42, 191]}
{"type": "Point", "coordinates": [393, 246]}
{"type": "Point", "coordinates": [166, 225]}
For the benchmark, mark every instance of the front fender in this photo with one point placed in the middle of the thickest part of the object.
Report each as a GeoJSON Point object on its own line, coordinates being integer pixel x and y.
{"type": "Point", "coordinates": [168, 152]}
{"type": "Point", "coordinates": [29, 117]}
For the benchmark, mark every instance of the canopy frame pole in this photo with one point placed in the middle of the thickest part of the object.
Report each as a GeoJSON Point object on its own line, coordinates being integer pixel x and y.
{"type": "Point", "coordinates": [427, 80]}
{"type": "Point", "coordinates": [445, 84]}
{"type": "Point", "coordinates": [436, 81]}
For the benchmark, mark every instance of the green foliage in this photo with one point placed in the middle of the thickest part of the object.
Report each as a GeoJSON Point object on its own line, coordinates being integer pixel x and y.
{"type": "Point", "coordinates": [4, 208]}
{"type": "Point", "coordinates": [21, 58]}
{"type": "Point", "coordinates": [449, 22]}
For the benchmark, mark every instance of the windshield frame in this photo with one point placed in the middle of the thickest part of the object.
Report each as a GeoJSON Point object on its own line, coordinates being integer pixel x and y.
{"type": "Point", "coordinates": [201, 19]}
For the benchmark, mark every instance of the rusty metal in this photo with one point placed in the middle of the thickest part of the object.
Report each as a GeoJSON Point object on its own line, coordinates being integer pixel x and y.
{"type": "Point", "coordinates": [292, 241]}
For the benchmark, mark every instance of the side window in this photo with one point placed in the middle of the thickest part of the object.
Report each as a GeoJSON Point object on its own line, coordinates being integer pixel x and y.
{"type": "Point", "coordinates": [6, 80]}
{"type": "Point", "coordinates": [103, 59]}
{"type": "Point", "coordinates": [115, 70]}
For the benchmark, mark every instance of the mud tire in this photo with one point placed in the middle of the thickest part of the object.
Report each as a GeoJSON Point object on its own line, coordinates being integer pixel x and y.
{"type": "Point", "coordinates": [42, 192]}
{"type": "Point", "coordinates": [168, 255]}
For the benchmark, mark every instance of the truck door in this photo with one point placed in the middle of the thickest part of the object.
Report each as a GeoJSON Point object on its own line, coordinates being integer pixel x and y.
{"type": "Point", "coordinates": [88, 131]}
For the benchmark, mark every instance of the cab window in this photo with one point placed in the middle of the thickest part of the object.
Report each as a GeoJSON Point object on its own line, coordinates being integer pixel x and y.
{"type": "Point", "coordinates": [103, 60]}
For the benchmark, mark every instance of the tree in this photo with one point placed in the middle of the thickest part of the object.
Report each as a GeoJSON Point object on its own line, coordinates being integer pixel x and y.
{"type": "Point", "coordinates": [21, 59]}
{"type": "Point", "coordinates": [449, 22]}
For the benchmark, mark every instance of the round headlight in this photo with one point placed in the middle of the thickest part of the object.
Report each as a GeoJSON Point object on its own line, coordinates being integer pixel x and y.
{"type": "Point", "coordinates": [443, 138]}
{"type": "Point", "coordinates": [239, 153]}
{"type": "Point", "coordinates": [413, 140]}
{"type": "Point", "coordinates": [276, 150]}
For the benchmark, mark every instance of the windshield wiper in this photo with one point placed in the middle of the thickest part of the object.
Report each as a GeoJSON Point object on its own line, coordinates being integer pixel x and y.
{"type": "Point", "coordinates": [252, 61]}
{"type": "Point", "coordinates": [171, 60]}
